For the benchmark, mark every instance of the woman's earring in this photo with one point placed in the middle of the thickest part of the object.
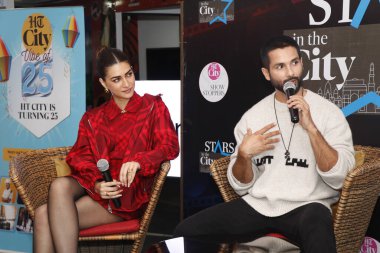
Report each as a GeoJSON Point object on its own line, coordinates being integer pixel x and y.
{"type": "Point", "coordinates": [106, 90]}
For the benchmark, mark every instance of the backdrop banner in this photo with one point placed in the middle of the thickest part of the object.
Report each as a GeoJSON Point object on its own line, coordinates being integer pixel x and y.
{"type": "Point", "coordinates": [223, 79]}
{"type": "Point", "coordinates": [42, 87]}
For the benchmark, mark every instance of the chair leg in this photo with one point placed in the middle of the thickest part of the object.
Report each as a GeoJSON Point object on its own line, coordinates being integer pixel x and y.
{"type": "Point", "coordinates": [138, 244]}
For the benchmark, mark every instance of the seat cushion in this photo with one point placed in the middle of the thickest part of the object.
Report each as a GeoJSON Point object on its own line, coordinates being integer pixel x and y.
{"type": "Point", "coordinates": [269, 244]}
{"type": "Point", "coordinates": [359, 158]}
{"type": "Point", "coordinates": [277, 235]}
{"type": "Point", "coordinates": [62, 168]}
{"type": "Point", "coordinates": [122, 227]}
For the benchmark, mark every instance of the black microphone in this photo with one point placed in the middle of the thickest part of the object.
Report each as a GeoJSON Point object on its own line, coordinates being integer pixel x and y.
{"type": "Point", "coordinates": [290, 90]}
{"type": "Point", "coordinates": [103, 166]}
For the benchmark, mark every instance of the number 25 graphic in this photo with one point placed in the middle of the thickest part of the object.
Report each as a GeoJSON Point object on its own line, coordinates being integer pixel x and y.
{"type": "Point", "coordinates": [30, 86]}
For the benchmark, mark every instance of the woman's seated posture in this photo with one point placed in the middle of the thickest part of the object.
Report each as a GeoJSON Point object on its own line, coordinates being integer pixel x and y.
{"type": "Point", "coordinates": [134, 134]}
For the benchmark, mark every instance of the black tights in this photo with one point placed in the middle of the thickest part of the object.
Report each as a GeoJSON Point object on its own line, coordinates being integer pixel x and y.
{"type": "Point", "coordinates": [69, 209]}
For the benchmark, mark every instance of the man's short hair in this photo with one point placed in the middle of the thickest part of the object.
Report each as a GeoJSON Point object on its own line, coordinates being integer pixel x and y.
{"type": "Point", "coordinates": [275, 43]}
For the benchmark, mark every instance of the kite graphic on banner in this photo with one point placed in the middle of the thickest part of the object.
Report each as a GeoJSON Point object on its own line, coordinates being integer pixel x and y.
{"type": "Point", "coordinates": [70, 32]}
{"type": "Point", "coordinates": [5, 61]}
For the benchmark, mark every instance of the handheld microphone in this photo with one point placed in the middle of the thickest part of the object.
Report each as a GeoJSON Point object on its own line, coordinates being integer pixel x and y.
{"type": "Point", "coordinates": [103, 166]}
{"type": "Point", "coordinates": [290, 90]}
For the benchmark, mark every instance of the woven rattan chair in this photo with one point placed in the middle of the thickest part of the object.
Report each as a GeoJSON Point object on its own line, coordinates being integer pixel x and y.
{"type": "Point", "coordinates": [358, 197]}
{"type": "Point", "coordinates": [33, 171]}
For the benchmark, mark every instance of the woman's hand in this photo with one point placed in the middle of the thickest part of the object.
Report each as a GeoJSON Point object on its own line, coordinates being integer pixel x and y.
{"type": "Point", "coordinates": [128, 172]}
{"type": "Point", "coordinates": [108, 190]}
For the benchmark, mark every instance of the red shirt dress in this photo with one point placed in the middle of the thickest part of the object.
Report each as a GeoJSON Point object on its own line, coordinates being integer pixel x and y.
{"type": "Point", "coordinates": [143, 132]}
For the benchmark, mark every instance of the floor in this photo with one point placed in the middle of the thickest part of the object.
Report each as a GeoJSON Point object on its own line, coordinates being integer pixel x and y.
{"type": "Point", "coordinates": [166, 215]}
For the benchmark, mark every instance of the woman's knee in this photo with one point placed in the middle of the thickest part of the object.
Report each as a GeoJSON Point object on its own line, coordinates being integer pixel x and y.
{"type": "Point", "coordinates": [63, 187]}
{"type": "Point", "coordinates": [41, 219]}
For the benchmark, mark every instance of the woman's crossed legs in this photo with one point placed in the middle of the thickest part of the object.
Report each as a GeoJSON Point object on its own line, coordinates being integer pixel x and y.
{"type": "Point", "coordinates": [69, 209]}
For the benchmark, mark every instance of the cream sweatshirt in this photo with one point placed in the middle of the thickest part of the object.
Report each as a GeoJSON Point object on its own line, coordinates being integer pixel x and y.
{"type": "Point", "coordinates": [281, 185]}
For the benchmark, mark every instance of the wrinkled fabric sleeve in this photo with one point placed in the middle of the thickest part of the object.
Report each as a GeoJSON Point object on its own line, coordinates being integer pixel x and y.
{"type": "Point", "coordinates": [164, 141]}
{"type": "Point", "coordinates": [338, 135]}
{"type": "Point", "coordinates": [239, 187]}
{"type": "Point", "coordinates": [82, 160]}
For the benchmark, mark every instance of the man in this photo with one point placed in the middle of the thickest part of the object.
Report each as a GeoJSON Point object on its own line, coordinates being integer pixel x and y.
{"type": "Point", "coordinates": [7, 193]}
{"type": "Point", "coordinates": [288, 173]}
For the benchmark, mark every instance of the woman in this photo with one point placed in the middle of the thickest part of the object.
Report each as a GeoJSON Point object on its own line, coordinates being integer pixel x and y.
{"type": "Point", "coordinates": [134, 134]}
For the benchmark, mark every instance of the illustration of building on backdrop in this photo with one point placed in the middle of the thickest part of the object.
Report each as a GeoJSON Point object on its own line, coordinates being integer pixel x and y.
{"type": "Point", "coordinates": [351, 91]}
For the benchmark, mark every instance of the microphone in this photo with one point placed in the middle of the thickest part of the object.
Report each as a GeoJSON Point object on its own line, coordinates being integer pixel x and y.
{"type": "Point", "coordinates": [290, 90]}
{"type": "Point", "coordinates": [103, 166]}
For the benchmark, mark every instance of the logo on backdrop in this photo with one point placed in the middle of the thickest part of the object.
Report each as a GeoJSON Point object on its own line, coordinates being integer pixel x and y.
{"type": "Point", "coordinates": [37, 58]}
{"type": "Point", "coordinates": [340, 65]}
{"type": "Point", "coordinates": [38, 79]}
{"type": "Point", "coordinates": [36, 36]}
{"type": "Point", "coordinates": [370, 245]}
{"type": "Point", "coordinates": [213, 82]}
{"type": "Point", "coordinates": [345, 18]}
{"type": "Point", "coordinates": [216, 11]}
{"type": "Point", "coordinates": [214, 150]}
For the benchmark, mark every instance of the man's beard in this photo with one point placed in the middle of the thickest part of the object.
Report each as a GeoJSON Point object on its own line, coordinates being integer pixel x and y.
{"type": "Point", "coordinates": [280, 87]}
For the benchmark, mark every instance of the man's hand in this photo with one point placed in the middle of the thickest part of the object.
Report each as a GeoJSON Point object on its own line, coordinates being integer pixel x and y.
{"type": "Point", "coordinates": [298, 102]}
{"type": "Point", "coordinates": [258, 142]}
{"type": "Point", "coordinates": [325, 155]}
{"type": "Point", "coordinates": [251, 145]}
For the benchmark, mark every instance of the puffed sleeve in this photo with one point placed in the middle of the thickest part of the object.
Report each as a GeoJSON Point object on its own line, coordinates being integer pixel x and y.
{"type": "Point", "coordinates": [82, 160]}
{"type": "Point", "coordinates": [165, 145]}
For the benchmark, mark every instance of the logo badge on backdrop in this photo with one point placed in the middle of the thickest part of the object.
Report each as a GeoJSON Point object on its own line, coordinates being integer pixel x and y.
{"type": "Point", "coordinates": [214, 150]}
{"type": "Point", "coordinates": [370, 245]}
{"type": "Point", "coordinates": [216, 11]}
{"type": "Point", "coordinates": [213, 82]}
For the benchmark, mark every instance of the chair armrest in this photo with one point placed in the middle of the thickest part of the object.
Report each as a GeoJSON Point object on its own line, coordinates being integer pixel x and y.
{"type": "Point", "coordinates": [32, 172]}
{"type": "Point", "coordinates": [218, 171]}
{"type": "Point", "coordinates": [359, 194]}
{"type": "Point", "coordinates": [154, 195]}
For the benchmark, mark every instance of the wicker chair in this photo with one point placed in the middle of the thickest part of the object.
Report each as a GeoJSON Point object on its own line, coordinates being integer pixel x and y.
{"type": "Point", "coordinates": [33, 171]}
{"type": "Point", "coordinates": [358, 197]}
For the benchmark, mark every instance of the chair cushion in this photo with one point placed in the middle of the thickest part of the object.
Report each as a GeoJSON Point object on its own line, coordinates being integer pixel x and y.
{"type": "Point", "coordinates": [359, 158]}
{"type": "Point", "coordinates": [122, 227]}
{"type": "Point", "coordinates": [277, 235]}
{"type": "Point", "coordinates": [62, 168]}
